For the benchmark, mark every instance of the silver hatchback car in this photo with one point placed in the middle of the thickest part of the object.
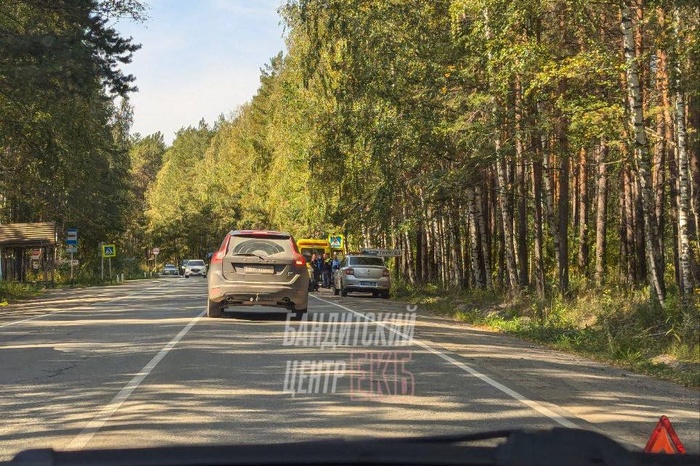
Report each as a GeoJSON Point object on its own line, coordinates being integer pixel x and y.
{"type": "Point", "coordinates": [362, 273]}
{"type": "Point", "coordinates": [258, 267]}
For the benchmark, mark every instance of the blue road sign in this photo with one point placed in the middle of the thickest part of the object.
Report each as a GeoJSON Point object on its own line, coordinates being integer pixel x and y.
{"type": "Point", "coordinates": [109, 250]}
{"type": "Point", "coordinates": [72, 236]}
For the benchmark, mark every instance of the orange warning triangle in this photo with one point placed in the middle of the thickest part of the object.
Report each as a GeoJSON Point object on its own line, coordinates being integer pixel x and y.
{"type": "Point", "coordinates": [664, 439]}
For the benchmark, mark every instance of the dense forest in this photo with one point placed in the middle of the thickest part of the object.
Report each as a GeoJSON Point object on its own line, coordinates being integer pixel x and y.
{"type": "Point", "coordinates": [64, 117]}
{"type": "Point", "coordinates": [545, 147]}
{"type": "Point", "coordinates": [500, 145]}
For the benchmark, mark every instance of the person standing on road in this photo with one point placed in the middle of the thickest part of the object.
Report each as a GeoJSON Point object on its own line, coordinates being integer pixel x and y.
{"type": "Point", "coordinates": [317, 267]}
{"type": "Point", "coordinates": [327, 267]}
{"type": "Point", "coordinates": [335, 265]}
{"type": "Point", "coordinates": [312, 264]}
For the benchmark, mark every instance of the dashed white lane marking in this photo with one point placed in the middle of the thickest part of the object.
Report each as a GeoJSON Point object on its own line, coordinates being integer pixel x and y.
{"type": "Point", "coordinates": [106, 413]}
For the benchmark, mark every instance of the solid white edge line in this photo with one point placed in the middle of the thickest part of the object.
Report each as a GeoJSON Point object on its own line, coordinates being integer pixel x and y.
{"type": "Point", "coordinates": [106, 413]}
{"type": "Point", "coordinates": [559, 419]}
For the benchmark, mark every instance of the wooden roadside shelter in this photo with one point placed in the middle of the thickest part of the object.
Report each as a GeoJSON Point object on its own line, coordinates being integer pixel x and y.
{"type": "Point", "coordinates": [25, 247]}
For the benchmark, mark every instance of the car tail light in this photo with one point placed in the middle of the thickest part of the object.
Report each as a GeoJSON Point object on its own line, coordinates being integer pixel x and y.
{"type": "Point", "coordinates": [299, 259]}
{"type": "Point", "coordinates": [349, 271]}
{"type": "Point", "coordinates": [385, 273]}
{"type": "Point", "coordinates": [218, 257]}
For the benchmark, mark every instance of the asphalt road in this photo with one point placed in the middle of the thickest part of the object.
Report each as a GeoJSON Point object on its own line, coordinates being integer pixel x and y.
{"type": "Point", "coordinates": [138, 365]}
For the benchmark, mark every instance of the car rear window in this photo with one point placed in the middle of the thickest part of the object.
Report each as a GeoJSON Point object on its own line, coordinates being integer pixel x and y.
{"type": "Point", "coordinates": [366, 261]}
{"type": "Point", "coordinates": [260, 245]}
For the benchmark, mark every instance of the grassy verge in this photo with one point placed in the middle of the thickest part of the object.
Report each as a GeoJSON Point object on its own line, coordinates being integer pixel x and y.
{"type": "Point", "coordinates": [10, 292]}
{"type": "Point", "coordinates": [618, 326]}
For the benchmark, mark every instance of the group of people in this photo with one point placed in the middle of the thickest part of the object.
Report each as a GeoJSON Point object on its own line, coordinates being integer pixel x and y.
{"type": "Point", "coordinates": [323, 268]}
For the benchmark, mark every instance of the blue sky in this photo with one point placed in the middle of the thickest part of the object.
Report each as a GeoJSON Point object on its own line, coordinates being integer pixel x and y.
{"type": "Point", "coordinates": [200, 59]}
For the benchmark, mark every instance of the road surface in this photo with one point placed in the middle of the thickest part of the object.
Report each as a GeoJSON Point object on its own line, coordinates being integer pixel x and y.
{"type": "Point", "coordinates": [138, 365]}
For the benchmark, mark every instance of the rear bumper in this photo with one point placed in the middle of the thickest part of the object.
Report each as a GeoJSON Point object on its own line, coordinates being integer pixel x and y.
{"type": "Point", "coordinates": [367, 284]}
{"type": "Point", "coordinates": [284, 296]}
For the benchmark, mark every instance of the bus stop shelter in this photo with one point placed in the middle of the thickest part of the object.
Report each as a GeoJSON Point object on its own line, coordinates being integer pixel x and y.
{"type": "Point", "coordinates": [28, 249]}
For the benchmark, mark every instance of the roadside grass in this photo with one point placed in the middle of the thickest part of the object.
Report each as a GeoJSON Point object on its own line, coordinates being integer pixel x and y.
{"type": "Point", "coordinates": [614, 325]}
{"type": "Point", "coordinates": [12, 291]}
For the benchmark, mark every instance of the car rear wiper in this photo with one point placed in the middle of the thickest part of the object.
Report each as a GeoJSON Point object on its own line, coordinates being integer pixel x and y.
{"type": "Point", "coordinates": [558, 446]}
{"type": "Point", "coordinates": [250, 254]}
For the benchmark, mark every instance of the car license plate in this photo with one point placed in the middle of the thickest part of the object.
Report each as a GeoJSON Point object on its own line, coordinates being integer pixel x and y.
{"type": "Point", "coordinates": [368, 283]}
{"type": "Point", "coordinates": [254, 269]}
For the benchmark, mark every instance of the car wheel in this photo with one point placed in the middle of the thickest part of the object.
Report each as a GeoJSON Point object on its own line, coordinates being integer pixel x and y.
{"type": "Point", "coordinates": [187, 276]}
{"type": "Point", "coordinates": [374, 294]}
{"type": "Point", "coordinates": [385, 295]}
{"type": "Point", "coordinates": [298, 314]}
{"type": "Point", "coordinates": [214, 309]}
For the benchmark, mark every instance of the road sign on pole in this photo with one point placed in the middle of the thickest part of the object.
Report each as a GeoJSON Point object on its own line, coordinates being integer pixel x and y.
{"type": "Point", "coordinates": [102, 261]}
{"type": "Point", "coordinates": [72, 236]}
{"type": "Point", "coordinates": [382, 252]}
{"type": "Point", "coordinates": [336, 241]}
{"type": "Point", "coordinates": [109, 250]}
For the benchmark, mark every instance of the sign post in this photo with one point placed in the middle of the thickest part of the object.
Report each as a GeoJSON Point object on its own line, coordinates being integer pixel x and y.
{"type": "Point", "coordinates": [108, 251]}
{"type": "Point", "coordinates": [72, 243]}
{"type": "Point", "coordinates": [155, 252]}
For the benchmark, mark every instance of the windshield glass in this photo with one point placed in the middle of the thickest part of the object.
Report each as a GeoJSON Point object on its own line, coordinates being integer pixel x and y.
{"type": "Point", "coordinates": [375, 261]}
{"type": "Point", "coordinates": [309, 252]}
{"type": "Point", "coordinates": [417, 218]}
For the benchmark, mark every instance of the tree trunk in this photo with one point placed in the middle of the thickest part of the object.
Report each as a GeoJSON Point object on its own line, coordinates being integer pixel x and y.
{"type": "Point", "coordinates": [523, 274]}
{"type": "Point", "coordinates": [583, 214]}
{"type": "Point", "coordinates": [549, 208]}
{"type": "Point", "coordinates": [601, 215]}
{"type": "Point", "coordinates": [419, 254]}
{"type": "Point", "coordinates": [683, 180]}
{"type": "Point", "coordinates": [506, 221]}
{"type": "Point", "coordinates": [641, 156]}
{"type": "Point", "coordinates": [474, 240]}
{"type": "Point", "coordinates": [627, 265]}
{"type": "Point", "coordinates": [481, 223]}
{"type": "Point", "coordinates": [539, 240]}
{"type": "Point", "coordinates": [694, 162]}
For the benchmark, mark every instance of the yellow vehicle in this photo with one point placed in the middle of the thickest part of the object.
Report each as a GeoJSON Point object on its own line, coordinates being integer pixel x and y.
{"type": "Point", "coordinates": [307, 247]}
{"type": "Point", "coordinates": [335, 244]}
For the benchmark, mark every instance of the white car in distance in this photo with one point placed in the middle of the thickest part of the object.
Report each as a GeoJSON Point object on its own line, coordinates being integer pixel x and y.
{"type": "Point", "coordinates": [195, 267]}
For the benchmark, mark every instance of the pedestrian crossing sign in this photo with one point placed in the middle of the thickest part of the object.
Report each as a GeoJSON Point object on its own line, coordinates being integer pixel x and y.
{"type": "Point", "coordinates": [108, 250]}
{"type": "Point", "coordinates": [336, 241]}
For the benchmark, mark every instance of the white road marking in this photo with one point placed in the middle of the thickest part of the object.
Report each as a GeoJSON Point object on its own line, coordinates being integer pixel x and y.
{"type": "Point", "coordinates": [106, 413]}
{"type": "Point", "coordinates": [559, 419]}
{"type": "Point", "coordinates": [28, 319]}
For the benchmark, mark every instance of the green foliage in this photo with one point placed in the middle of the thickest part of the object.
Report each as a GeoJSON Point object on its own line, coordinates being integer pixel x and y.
{"type": "Point", "coordinates": [618, 326]}
{"type": "Point", "coordinates": [12, 291]}
{"type": "Point", "coordinates": [63, 137]}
